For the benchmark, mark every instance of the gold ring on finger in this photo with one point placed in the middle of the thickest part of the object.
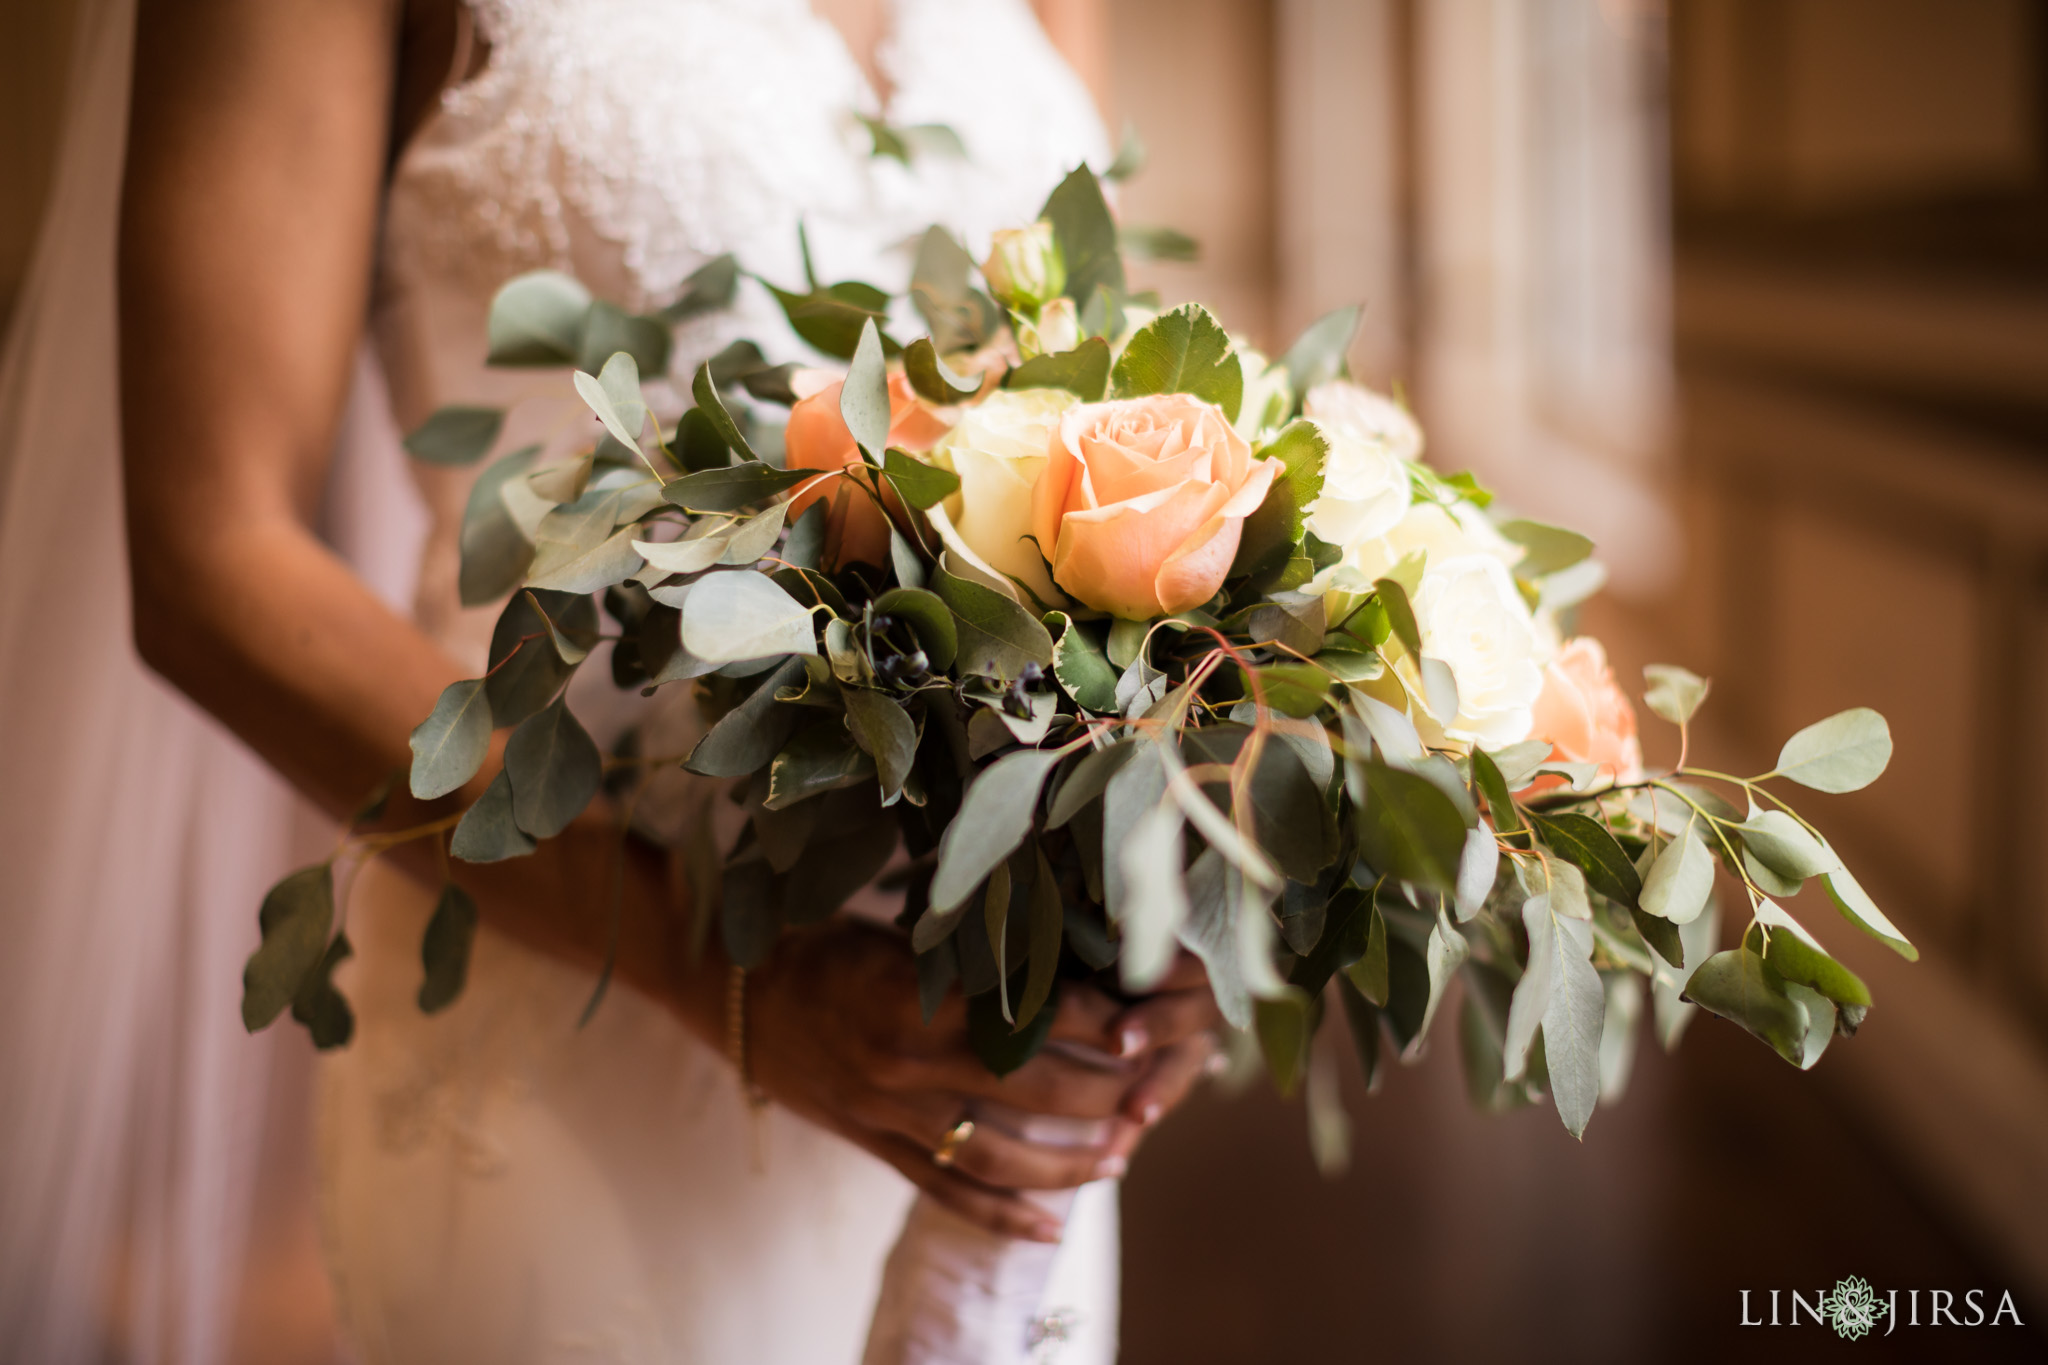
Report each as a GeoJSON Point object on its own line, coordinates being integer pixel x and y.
{"type": "Point", "coordinates": [955, 1138]}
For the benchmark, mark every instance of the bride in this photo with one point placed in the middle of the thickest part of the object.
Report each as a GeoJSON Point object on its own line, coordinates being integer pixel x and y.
{"type": "Point", "coordinates": [319, 199]}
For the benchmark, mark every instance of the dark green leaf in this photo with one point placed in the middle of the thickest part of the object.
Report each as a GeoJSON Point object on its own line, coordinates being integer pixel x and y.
{"type": "Point", "coordinates": [487, 832]}
{"type": "Point", "coordinates": [1047, 920]}
{"type": "Point", "coordinates": [704, 389]}
{"type": "Point", "coordinates": [929, 376]}
{"type": "Point", "coordinates": [710, 287]}
{"type": "Point", "coordinates": [1087, 236]}
{"type": "Point", "coordinates": [959, 317]}
{"type": "Point", "coordinates": [1001, 1048]}
{"type": "Point", "coordinates": [1586, 843]}
{"type": "Point", "coordinates": [456, 435]}
{"type": "Point", "coordinates": [1271, 533]}
{"type": "Point", "coordinates": [1499, 803]}
{"type": "Point", "coordinates": [319, 1006]}
{"type": "Point", "coordinates": [1799, 958]}
{"type": "Point", "coordinates": [820, 757]}
{"type": "Point", "coordinates": [1860, 910]}
{"type": "Point", "coordinates": [731, 488]}
{"type": "Point", "coordinates": [1298, 690]}
{"type": "Point", "coordinates": [444, 951]}
{"type": "Point", "coordinates": [884, 729]}
{"type": "Point", "coordinates": [929, 617]}
{"type": "Point", "coordinates": [1083, 370]}
{"type": "Point", "coordinates": [1368, 975]}
{"type": "Point", "coordinates": [537, 319]}
{"type": "Point", "coordinates": [495, 552]}
{"type": "Point", "coordinates": [1660, 934]}
{"type": "Point", "coordinates": [1400, 615]}
{"type": "Point", "coordinates": [451, 744]}
{"type": "Point", "coordinates": [520, 683]}
{"type": "Point", "coordinates": [749, 735]}
{"type": "Point", "coordinates": [1317, 355]}
{"type": "Point", "coordinates": [995, 816]}
{"type": "Point", "coordinates": [610, 330]}
{"type": "Point", "coordinates": [922, 485]}
{"type": "Point", "coordinates": [1184, 351]}
{"type": "Point", "coordinates": [1363, 1017]}
{"type": "Point", "coordinates": [1087, 781]}
{"type": "Point", "coordinates": [554, 768]}
{"type": "Point", "coordinates": [807, 539]}
{"type": "Point", "coordinates": [1410, 829]}
{"type": "Point", "coordinates": [697, 445]}
{"type": "Point", "coordinates": [1740, 986]}
{"type": "Point", "coordinates": [998, 637]}
{"type": "Point", "coordinates": [832, 320]}
{"type": "Point", "coordinates": [1285, 1031]}
{"type": "Point", "coordinates": [295, 918]}
{"type": "Point", "coordinates": [1158, 243]}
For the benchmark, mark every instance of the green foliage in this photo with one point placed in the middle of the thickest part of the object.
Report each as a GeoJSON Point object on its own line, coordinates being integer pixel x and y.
{"type": "Point", "coordinates": [929, 375]}
{"type": "Point", "coordinates": [1184, 351]}
{"type": "Point", "coordinates": [1844, 753]}
{"type": "Point", "coordinates": [554, 767]}
{"type": "Point", "coordinates": [537, 319]}
{"type": "Point", "coordinates": [1079, 665]}
{"type": "Point", "coordinates": [295, 918]}
{"type": "Point", "coordinates": [995, 816]}
{"type": "Point", "coordinates": [922, 485]}
{"type": "Point", "coordinates": [451, 744]}
{"type": "Point", "coordinates": [885, 732]}
{"type": "Point", "coordinates": [1157, 243]}
{"type": "Point", "coordinates": [495, 552]}
{"type": "Point", "coordinates": [864, 395]}
{"type": "Point", "coordinates": [1086, 233]}
{"type": "Point", "coordinates": [444, 951]}
{"type": "Point", "coordinates": [1675, 693]}
{"type": "Point", "coordinates": [1409, 829]}
{"type": "Point", "coordinates": [709, 288]}
{"type": "Point", "coordinates": [1083, 371]}
{"type": "Point", "coordinates": [959, 316]}
{"type": "Point", "coordinates": [1740, 986]}
{"type": "Point", "coordinates": [731, 488]}
{"type": "Point", "coordinates": [488, 832]}
{"type": "Point", "coordinates": [1271, 534]}
{"type": "Point", "coordinates": [1317, 355]}
{"type": "Point", "coordinates": [998, 638]}
{"type": "Point", "coordinates": [456, 435]}
{"type": "Point", "coordinates": [1587, 844]}
{"type": "Point", "coordinates": [1547, 549]}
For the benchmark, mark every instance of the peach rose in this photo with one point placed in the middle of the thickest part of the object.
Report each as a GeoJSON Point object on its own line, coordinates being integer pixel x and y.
{"type": "Point", "coordinates": [817, 438]}
{"type": "Point", "coordinates": [1584, 715]}
{"type": "Point", "coordinates": [1142, 502]}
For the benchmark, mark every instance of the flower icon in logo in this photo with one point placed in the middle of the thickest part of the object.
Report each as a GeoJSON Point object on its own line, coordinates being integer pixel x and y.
{"type": "Point", "coordinates": [1853, 1308]}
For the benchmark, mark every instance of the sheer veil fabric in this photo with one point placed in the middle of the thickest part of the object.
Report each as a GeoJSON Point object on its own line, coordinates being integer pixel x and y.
{"type": "Point", "coordinates": [496, 1185]}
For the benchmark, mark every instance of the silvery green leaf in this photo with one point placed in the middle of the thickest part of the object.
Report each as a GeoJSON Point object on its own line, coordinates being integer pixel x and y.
{"type": "Point", "coordinates": [1349, 665]}
{"type": "Point", "coordinates": [749, 736]}
{"type": "Point", "coordinates": [1618, 1033]}
{"type": "Point", "coordinates": [1156, 898]}
{"type": "Point", "coordinates": [1311, 743]}
{"type": "Point", "coordinates": [1674, 693]}
{"type": "Point", "coordinates": [455, 435]}
{"type": "Point", "coordinates": [864, 397]}
{"type": "Point", "coordinates": [744, 615]}
{"type": "Point", "coordinates": [565, 568]}
{"type": "Point", "coordinates": [487, 832]}
{"type": "Point", "coordinates": [1087, 236]}
{"type": "Point", "coordinates": [1439, 689]}
{"type": "Point", "coordinates": [1680, 880]}
{"type": "Point", "coordinates": [1860, 910]}
{"type": "Point", "coordinates": [1820, 1022]}
{"type": "Point", "coordinates": [451, 743]}
{"type": "Point", "coordinates": [1532, 993]}
{"type": "Point", "coordinates": [995, 816]}
{"type": "Point", "coordinates": [690, 555]}
{"type": "Point", "coordinates": [922, 485]}
{"type": "Point", "coordinates": [495, 551]}
{"type": "Point", "coordinates": [584, 523]}
{"type": "Point", "coordinates": [934, 382]}
{"type": "Point", "coordinates": [1476, 870]}
{"type": "Point", "coordinates": [1767, 878]}
{"type": "Point", "coordinates": [1667, 983]}
{"type": "Point", "coordinates": [1442, 955]}
{"type": "Point", "coordinates": [444, 950]}
{"type": "Point", "coordinates": [1573, 1017]}
{"type": "Point", "coordinates": [997, 636]}
{"type": "Point", "coordinates": [710, 287]}
{"type": "Point", "coordinates": [537, 319]}
{"type": "Point", "coordinates": [1210, 933]}
{"type": "Point", "coordinates": [1133, 789]}
{"type": "Point", "coordinates": [554, 768]}
{"type": "Point", "coordinates": [1044, 706]}
{"type": "Point", "coordinates": [1391, 730]}
{"type": "Point", "coordinates": [524, 670]}
{"type": "Point", "coordinates": [614, 396]}
{"type": "Point", "coordinates": [1580, 777]}
{"type": "Point", "coordinates": [563, 481]}
{"type": "Point", "coordinates": [295, 918]}
{"type": "Point", "coordinates": [903, 558]}
{"type": "Point", "coordinates": [1547, 548]}
{"type": "Point", "coordinates": [610, 330]}
{"type": "Point", "coordinates": [1182, 351]}
{"type": "Point", "coordinates": [1140, 688]}
{"type": "Point", "coordinates": [1518, 762]}
{"type": "Point", "coordinates": [885, 731]}
{"type": "Point", "coordinates": [1742, 987]}
{"type": "Point", "coordinates": [1317, 355]}
{"type": "Point", "coordinates": [1568, 891]}
{"type": "Point", "coordinates": [1844, 753]}
{"type": "Point", "coordinates": [1780, 843]}
{"type": "Point", "coordinates": [1087, 780]}
{"type": "Point", "coordinates": [755, 536]}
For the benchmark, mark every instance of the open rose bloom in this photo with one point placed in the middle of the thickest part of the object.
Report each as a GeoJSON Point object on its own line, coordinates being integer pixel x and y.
{"type": "Point", "coordinates": [1141, 503]}
{"type": "Point", "coordinates": [1583, 714]}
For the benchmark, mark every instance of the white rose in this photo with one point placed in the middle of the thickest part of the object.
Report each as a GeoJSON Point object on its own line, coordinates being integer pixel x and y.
{"type": "Point", "coordinates": [1365, 491]}
{"type": "Point", "coordinates": [999, 449]}
{"type": "Point", "coordinates": [1365, 416]}
{"type": "Point", "coordinates": [1025, 267]}
{"type": "Point", "coordinates": [1440, 533]}
{"type": "Point", "coordinates": [1267, 394]}
{"type": "Point", "coordinates": [1473, 618]}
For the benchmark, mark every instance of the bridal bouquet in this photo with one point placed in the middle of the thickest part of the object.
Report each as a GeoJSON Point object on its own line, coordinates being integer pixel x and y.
{"type": "Point", "coordinates": [1132, 640]}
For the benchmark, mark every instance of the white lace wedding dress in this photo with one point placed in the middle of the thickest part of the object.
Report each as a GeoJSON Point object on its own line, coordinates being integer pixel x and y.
{"type": "Point", "coordinates": [498, 1185]}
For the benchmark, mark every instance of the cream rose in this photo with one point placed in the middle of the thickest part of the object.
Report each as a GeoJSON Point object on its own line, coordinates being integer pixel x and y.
{"type": "Point", "coordinates": [1058, 329]}
{"type": "Point", "coordinates": [1142, 502]}
{"type": "Point", "coordinates": [1025, 267]}
{"type": "Point", "coordinates": [999, 449]}
{"type": "Point", "coordinates": [1365, 491]}
{"type": "Point", "coordinates": [1473, 618]}
{"type": "Point", "coordinates": [1363, 415]}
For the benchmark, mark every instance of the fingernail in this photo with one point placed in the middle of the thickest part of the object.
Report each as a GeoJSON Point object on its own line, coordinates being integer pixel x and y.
{"type": "Point", "coordinates": [1046, 1232]}
{"type": "Point", "coordinates": [1132, 1042]}
{"type": "Point", "coordinates": [1150, 1114]}
{"type": "Point", "coordinates": [1111, 1167]}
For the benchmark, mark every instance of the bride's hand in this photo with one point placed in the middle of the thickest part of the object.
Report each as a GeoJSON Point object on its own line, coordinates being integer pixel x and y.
{"type": "Point", "coordinates": [834, 1033]}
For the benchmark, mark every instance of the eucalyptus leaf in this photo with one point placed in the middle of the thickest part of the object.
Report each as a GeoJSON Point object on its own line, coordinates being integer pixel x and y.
{"type": "Point", "coordinates": [749, 736]}
{"type": "Point", "coordinates": [998, 638]}
{"type": "Point", "coordinates": [959, 316]}
{"type": "Point", "coordinates": [1477, 869]}
{"type": "Point", "coordinates": [704, 389]}
{"type": "Point", "coordinates": [1284, 1030]}
{"type": "Point", "coordinates": [565, 568]}
{"type": "Point", "coordinates": [1082, 371]}
{"type": "Point", "coordinates": [742, 614]}
{"type": "Point", "coordinates": [929, 618]}
{"type": "Point", "coordinates": [1079, 665]}
{"type": "Point", "coordinates": [1742, 987]}
{"type": "Point", "coordinates": [1410, 829]}
{"type": "Point", "coordinates": [1156, 242]}
{"type": "Point", "coordinates": [820, 757]}
{"type": "Point", "coordinates": [931, 378]}
{"type": "Point", "coordinates": [731, 488]}
{"type": "Point", "coordinates": [614, 395]}
{"type": "Point", "coordinates": [1155, 903]}
{"type": "Point", "coordinates": [554, 768]}
{"type": "Point", "coordinates": [885, 731]}
{"type": "Point", "coordinates": [451, 743]}
{"type": "Point", "coordinates": [1781, 844]}
{"type": "Point", "coordinates": [444, 951]}
{"type": "Point", "coordinates": [1799, 957]}
{"type": "Point", "coordinates": [1492, 784]}
{"type": "Point", "coordinates": [1087, 781]}
{"type": "Point", "coordinates": [922, 485]}
{"type": "Point", "coordinates": [1860, 910]}
{"type": "Point", "coordinates": [754, 537]}
{"type": "Point", "coordinates": [487, 832]}
{"type": "Point", "coordinates": [709, 288]}
{"type": "Point", "coordinates": [495, 552]}
{"type": "Point", "coordinates": [1680, 880]}
{"type": "Point", "coordinates": [1674, 693]}
{"type": "Point", "coordinates": [1048, 917]}
{"type": "Point", "coordinates": [296, 916]}
{"type": "Point", "coordinates": [1400, 614]}
{"type": "Point", "coordinates": [319, 1006]}
{"type": "Point", "coordinates": [455, 435]}
{"type": "Point", "coordinates": [537, 319]}
{"type": "Point", "coordinates": [1844, 753]}
{"type": "Point", "coordinates": [686, 556]}
{"type": "Point", "coordinates": [1130, 155]}
{"type": "Point", "coordinates": [1087, 236]}
{"type": "Point", "coordinates": [610, 330]}
{"type": "Point", "coordinates": [995, 816]}
{"type": "Point", "coordinates": [806, 541]}
{"type": "Point", "coordinates": [1547, 549]}
{"type": "Point", "coordinates": [1587, 843]}
{"type": "Point", "coordinates": [525, 669]}
{"type": "Point", "coordinates": [1439, 689]}
{"type": "Point", "coordinates": [864, 395]}
{"type": "Point", "coordinates": [1182, 351]}
{"type": "Point", "coordinates": [1317, 355]}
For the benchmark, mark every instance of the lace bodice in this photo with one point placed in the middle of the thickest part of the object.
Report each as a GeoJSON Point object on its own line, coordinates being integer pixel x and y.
{"type": "Point", "coordinates": [629, 141]}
